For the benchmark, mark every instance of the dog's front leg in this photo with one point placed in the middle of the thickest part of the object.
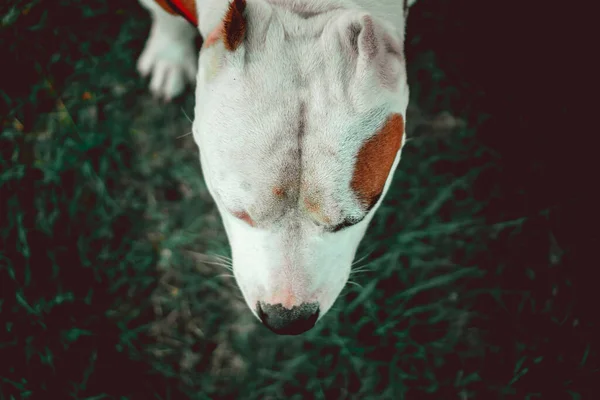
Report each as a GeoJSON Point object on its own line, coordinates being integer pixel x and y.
{"type": "Point", "coordinates": [169, 56]}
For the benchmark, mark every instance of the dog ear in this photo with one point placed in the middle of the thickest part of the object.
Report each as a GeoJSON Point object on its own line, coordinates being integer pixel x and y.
{"type": "Point", "coordinates": [373, 48]}
{"type": "Point", "coordinates": [234, 25]}
{"type": "Point", "coordinates": [232, 28]}
{"type": "Point", "coordinates": [185, 8]}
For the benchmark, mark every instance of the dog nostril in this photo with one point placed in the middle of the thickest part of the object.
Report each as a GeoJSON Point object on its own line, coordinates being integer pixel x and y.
{"type": "Point", "coordinates": [283, 321]}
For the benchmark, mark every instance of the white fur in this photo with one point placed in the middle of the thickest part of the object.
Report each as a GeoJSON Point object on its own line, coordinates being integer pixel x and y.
{"type": "Point", "coordinates": [169, 56]}
{"type": "Point", "coordinates": [249, 104]}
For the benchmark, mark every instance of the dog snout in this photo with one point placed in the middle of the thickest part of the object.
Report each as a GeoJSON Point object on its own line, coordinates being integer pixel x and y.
{"type": "Point", "coordinates": [288, 321]}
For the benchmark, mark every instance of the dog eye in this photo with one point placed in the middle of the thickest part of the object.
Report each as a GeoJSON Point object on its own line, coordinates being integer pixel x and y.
{"type": "Point", "coordinates": [344, 224]}
{"type": "Point", "coordinates": [244, 216]}
{"type": "Point", "coordinates": [348, 222]}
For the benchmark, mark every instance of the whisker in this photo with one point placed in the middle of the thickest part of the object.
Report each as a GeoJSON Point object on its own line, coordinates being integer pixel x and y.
{"type": "Point", "coordinates": [220, 264]}
{"type": "Point", "coordinates": [184, 135]}
{"type": "Point", "coordinates": [210, 260]}
{"type": "Point", "coordinates": [225, 276]}
{"type": "Point", "coordinates": [204, 256]}
{"type": "Point", "coordinates": [370, 250]}
{"type": "Point", "coordinates": [187, 116]}
{"type": "Point", "coordinates": [354, 283]}
{"type": "Point", "coordinates": [362, 258]}
{"type": "Point", "coordinates": [360, 271]}
{"type": "Point", "coordinates": [214, 262]}
{"type": "Point", "coordinates": [224, 258]}
{"type": "Point", "coordinates": [371, 262]}
{"type": "Point", "coordinates": [219, 259]}
{"type": "Point", "coordinates": [362, 268]}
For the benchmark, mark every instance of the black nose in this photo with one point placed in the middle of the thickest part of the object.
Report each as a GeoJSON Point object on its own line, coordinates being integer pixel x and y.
{"type": "Point", "coordinates": [285, 321]}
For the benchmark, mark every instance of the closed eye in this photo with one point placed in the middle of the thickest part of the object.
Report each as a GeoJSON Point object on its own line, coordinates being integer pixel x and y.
{"type": "Point", "coordinates": [344, 224]}
{"type": "Point", "coordinates": [348, 222]}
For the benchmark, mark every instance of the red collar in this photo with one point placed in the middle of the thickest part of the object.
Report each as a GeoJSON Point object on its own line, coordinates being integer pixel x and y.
{"type": "Point", "coordinates": [183, 8]}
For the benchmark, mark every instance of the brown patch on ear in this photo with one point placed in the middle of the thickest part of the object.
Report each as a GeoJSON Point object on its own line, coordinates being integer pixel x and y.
{"type": "Point", "coordinates": [185, 8]}
{"type": "Point", "coordinates": [234, 25]}
{"type": "Point", "coordinates": [375, 160]}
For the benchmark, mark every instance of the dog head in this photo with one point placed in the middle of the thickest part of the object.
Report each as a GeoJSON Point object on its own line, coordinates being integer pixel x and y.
{"type": "Point", "coordinates": [300, 124]}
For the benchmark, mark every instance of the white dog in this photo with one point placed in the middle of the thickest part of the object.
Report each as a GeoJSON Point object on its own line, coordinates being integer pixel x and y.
{"type": "Point", "coordinates": [299, 119]}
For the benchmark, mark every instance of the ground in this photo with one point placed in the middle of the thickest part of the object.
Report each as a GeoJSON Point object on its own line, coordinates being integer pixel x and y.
{"type": "Point", "coordinates": [473, 280]}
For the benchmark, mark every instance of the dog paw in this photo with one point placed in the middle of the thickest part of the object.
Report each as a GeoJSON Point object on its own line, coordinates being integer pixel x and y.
{"type": "Point", "coordinates": [170, 65]}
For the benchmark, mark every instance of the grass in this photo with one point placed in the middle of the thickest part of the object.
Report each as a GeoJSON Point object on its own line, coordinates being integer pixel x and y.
{"type": "Point", "coordinates": [471, 286]}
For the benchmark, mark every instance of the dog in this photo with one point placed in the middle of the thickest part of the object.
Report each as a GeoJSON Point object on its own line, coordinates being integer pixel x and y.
{"type": "Point", "coordinates": [299, 120]}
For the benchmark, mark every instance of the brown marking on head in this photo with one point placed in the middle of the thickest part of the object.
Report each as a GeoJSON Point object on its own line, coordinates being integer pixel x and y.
{"type": "Point", "coordinates": [234, 25]}
{"type": "Point", "coordinates": [375, 159]}
{"type": "Point", "coordinates": [185, 8]}
{"type": "Point", "coordinates": [311, 205]}
{"type": "Point", "coordinates": [278, 191]}
{"type": "Point", "coordinates": [244, 216]}
{"type": "Point", "coordinates": [316, 211]}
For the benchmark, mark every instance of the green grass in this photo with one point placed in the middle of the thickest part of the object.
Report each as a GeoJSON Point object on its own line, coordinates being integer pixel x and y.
{"type": "Point", "coordinates": [105, 294]}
